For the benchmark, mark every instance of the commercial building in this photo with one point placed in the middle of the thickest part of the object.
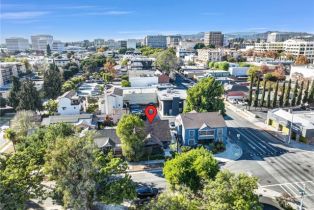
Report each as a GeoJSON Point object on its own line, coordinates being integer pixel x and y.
{"type": "Point", "coordinates": [215, 38]}
{"type": "Point", "coordinates": [302, 122]}
{"type": "Point", "coordinates": [7, 70]}
{"type": "Point", "coordinates": [122, 44]}
{"type": "Point", "coordinates": [173, 41]}
{"type": "Point", "coordinates": [156, 41]}
{"type": "Point", "coordinates": [142, 78]}
{"type": "Point", "coordinates": [300, 47]}
{"type": "Point", "coordinates": [99, 42]}
{"type": "Point", "coordinates": [131, 43]}
{"type": "Point", "coordinates": [205, 55]}
{"type": "Point", "coordinates": [14, 44]}
{"type": "Point", "coordinates": [278, 37]}
{"type": "Point", "coordinates": [40, 42]}
{"type": "Point", "coordinates": [268, 46]}
{"type": "Point", "coordinates": [57, 46]}
{"type": "Point", "coordinates": [171, 101]}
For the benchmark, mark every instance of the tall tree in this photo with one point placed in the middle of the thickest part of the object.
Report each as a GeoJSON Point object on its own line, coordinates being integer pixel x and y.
{"type": "Point", "coordinates": [282, 94]}
{"type": "Point", "coordinates": [130, 130]}
{"type": "Point", "coordinates": [257, 92]}
{"type": "Point", "coordinates": [14, 91]}
{"type": "Point", "coordinates": [299, 98]}
{"type": "Point", "coordinates": [301, 60]}
{"type": "Point", "coordinates": [51, 106]}
{"type": "Point", "coordinates": [10, 134]}
{"type": "Point", "coordinates": [167, 61]}
{"type": "Point", "coordinates": [294, 95]}
{"type": "Point", "coordinates": [268, 96]}
{"type": "Point", "coordinates": [28, 97]}
{"type": "Point", "coordinates": [311, 95]}
{"type": "Point", "coordinates": [205, 96]}
{"type": "Point", "coordinates": [264, 92]}
{"type": "Point", "coordinates": [191, 169]}
{"type": "Point", "coordinates": [306, 92]}
{"type": "Point", "coordinates": [48, 50]}
{"type": "Point", "coordinates": [83, 174]}
{"type": "Point", "coordinates": [23, 121]}
{"type": "Point", "coordinates": [287, 94]}
{"type": "Point", "coordinates": [251, 91]}
{"type": "Point", "coordinates": [275, 95]}
{"type": "Point", "coordinates": [52, 82]}
{"type": "Point", "coordinates": [226, 191]}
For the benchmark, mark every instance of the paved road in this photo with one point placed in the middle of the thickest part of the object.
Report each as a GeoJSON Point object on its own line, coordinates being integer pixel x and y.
{"type": "Point", "coordinates": [152, 178]}
{"type": "Point", "coordinates": [279, 167]}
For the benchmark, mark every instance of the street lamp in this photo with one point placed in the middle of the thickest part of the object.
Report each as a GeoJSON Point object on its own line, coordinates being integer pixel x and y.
{"type": "Point", "coordinates": [291, 122]}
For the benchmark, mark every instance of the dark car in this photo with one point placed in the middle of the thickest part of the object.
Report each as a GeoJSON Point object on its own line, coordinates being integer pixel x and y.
{"type": "Point", "coordinates": [145, 192]}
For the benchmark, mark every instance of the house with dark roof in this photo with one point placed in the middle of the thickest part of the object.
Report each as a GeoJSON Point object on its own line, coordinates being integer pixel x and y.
{"type": "Point", "coordinates": [201, 128]}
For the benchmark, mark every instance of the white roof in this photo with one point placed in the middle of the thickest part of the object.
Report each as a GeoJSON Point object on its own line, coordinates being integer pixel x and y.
{"type": "Point", "coordinates": [169, 94]}
{"type": "Point", "coordinates": [304, 118]}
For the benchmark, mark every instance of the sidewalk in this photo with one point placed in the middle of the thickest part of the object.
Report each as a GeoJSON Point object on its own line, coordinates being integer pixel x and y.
{"type": "Point", "coordinates": [233, 152]}
{"type": "Point", "coordinates": [145, 165]}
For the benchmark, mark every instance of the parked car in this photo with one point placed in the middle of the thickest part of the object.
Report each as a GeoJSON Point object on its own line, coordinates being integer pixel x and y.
{"type": "Point", "coordinates": [145, 192]}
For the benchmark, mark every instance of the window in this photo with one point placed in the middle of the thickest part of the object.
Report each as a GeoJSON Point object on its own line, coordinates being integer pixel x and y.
{"type": "Point", "coordinates": [191, 142]}
{"type": "Point", "coordinates": [206, 132]}
{"type": "Point", "coordinates": [64, 108]}
{"type": "Point", "coordinates": [191, 134]}
{"type": "Point", "coordinates": [219, 131]}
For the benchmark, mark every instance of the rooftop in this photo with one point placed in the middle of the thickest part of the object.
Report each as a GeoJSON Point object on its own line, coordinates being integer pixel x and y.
{"type": "Point", "coordinates": [197, 120]}
{"type": "Point", "coordinates": [304, 118]}
{"type": "Point", "coordinates": [169, 94]}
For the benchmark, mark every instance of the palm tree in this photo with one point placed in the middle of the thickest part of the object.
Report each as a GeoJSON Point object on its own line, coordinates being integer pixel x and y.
{"type": "Point", "coordinates": [10, 134]}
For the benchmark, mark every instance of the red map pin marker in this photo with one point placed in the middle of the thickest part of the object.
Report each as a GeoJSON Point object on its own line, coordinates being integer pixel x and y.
{"type": "Point", "coordinates": [150, 112]}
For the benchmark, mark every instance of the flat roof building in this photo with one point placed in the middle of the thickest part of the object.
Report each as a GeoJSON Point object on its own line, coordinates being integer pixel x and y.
{"type": "Point", "coordinates": [215, 38]}
{"type": "Point", "coordinates": [156, 41]}
{"type": "Point", "coordinates": [14, 44]}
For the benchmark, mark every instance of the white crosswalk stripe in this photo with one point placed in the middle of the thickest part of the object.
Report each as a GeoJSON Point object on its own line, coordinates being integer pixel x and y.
{"type": "Point", "coordinates": [293, 189]}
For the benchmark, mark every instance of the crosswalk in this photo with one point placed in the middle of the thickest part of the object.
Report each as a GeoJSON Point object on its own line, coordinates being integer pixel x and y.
{"type": "Point", "coordinates": [294, 189]}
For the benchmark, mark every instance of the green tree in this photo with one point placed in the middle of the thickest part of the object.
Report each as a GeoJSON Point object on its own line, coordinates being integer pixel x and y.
{"type": "Point", "coordinates": [264, 92]}
{"type": "Point", "coordinates": [306, 92]}
{"type": "Point", "coordinates": [125, 83]}
{"type": "Point", "coordinates": [10, 135]}
{"type": "Point", "coordinates": [51, 106]}
{"type": "Point", "coordinates": [67, 86]}
{"type": "Point", "coordinates": [23, 121]}
{"type": "Point", "coordinates": [52, 82]}
{"type": "Point", "coordinates": [13, 99]}
{"type": "Point", "coordinates": [224, 66]}
{"type": "Point", "coordinates": [294, 95]}
{"type": "Point", "coordinates": [275, 95]}
{"type": "Point", "coordinates": [230, 191]}
{"type": "Point", "coordinates": [20, 180]}
{"type": "Point", "coordinates": [3, 101]}
{"type": "Point", "coordinates": [107, 77]}
{"type": "Point", "coordinates": [191, 169]}
{"type": "Point", "coordinates": [48, 50]}
{"type": "Point", "coordinates": [311, 95]}
{"type": "Point", "coordinates": [167, 61]}
{"type": "Point", "coordinates": [299, 98]}
{"type": "Point", "coordinates": [131, 132]}
{"type": "Point", "coordinates": [251, 91]}
{"type": "Point", "coordinates": [199, 46]}
{"type": "Point", "coordinates": [268, 96]}
{"type": "Point", "coordinates": [205, 96]}
{"type": "Point", "coordinates": [282, 94]}
{"type": "Point", "coordinates": [28, 97]}
{"type": "Point", "coordinates": [83, 174]}
{"type": "Point", "coordinates": [257, 92]}
{"type": "Point", "coordinates": [287, 94]}
{"type": "Point", "coordinates": [253, 72]}
{"type": "Point", "coordinates": [124, 62]}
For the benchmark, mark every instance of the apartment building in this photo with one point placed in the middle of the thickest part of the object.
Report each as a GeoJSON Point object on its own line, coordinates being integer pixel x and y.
{"type": "Point", "coordinates": [14, 44]}
{"type": "Point", "coordinates": [122, 44]}
{"type": "Point", "coordinates": [205, 55]}
{"type": "Point", "coordinates": [215, 38]}
{"type": "Point", "coordinates": [277, 37]}
{"type": "Point", "coordinates": [300, 47]}
{"type": "Point", "coordinates": [57, 46]}
{"type": "Point", "coordinates": [7, 70]}
{"type": "Point", "coordinates": [156, 41]}
{"type": "Point", "coordinates": [173, 41]}
{"type": "Point", "coordinates": [99, 42]}
{"type": "Point", "coordinates": [40, 42]}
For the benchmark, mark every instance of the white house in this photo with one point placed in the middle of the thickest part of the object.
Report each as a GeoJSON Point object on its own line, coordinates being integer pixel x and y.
{"type": "Point", "coordinates": [142, 78]}
{"type": "Point", "coordinates": [69, 103]}
{"type": "Point", "coordinates": [112, 102]}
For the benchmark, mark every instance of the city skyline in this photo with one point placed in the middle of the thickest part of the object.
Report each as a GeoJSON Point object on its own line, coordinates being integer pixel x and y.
{"type": "Point", "coordinates": [125, 19]}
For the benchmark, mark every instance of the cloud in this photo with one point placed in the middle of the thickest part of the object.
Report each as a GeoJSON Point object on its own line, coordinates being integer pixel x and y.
{"type": "Point", "coordinates": [22, 15]}
{"type": "Point", "coordinates": [111, 12]}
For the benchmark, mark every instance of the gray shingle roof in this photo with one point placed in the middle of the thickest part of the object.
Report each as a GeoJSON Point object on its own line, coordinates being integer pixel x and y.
{"type": "Point", "coordinates": [108, 133]}
{"type": "Point", "coordinates": [196, 120]}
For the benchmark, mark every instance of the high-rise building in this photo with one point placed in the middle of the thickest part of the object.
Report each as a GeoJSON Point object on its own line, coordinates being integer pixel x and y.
{"type": "Point", "coordinates": [215, 38]}
{"type": "Point", "coordinates": [40, 42]}
{"type": "Point", "coordinates": [99, 42]}
{"type": "Point", "coordinates": [173, 41]}
{"type": "Point", "coordinates": [278, 37]}
{"type": "Point", "coordinates": [122, 44]}
{"type": "Point", "coordinates": [16, 44]}
{"type": "Point", "coordinates": [131, 43]}
{"type": "Point", "coordinates": [156, 41]}
{"type": "Point", "coordinates": [57, 46]}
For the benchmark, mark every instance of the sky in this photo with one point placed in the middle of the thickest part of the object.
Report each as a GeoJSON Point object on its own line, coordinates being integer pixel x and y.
{"type": "Point", "coordinates": [73, 20]}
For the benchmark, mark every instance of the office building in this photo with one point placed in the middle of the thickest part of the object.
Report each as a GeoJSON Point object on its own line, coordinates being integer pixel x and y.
{"type": "Point", "coordinates": [268, 46]}
{"type": "Point", "coordinates": [156, 41]}
{"type": "Point", "coordinates": [57, 46]}
{"type": "Point", "coordinates": [14, 44]}
{"type": "Point", "coordinates": [298, 47]}
{"type": "Point", "coordinates": [40, 42]}
{"type": "Point", "coordinates": [173, 41]}
{"type": "Point", "coordinates": [205, 55]}
{"type": "Point", "coordinates": [277, 37]}
{"type": "Point", "coordinates": [131, 43]}
{"type": "Point", "coordinates": [215, 38]}
{"type": "Point", "coordinates": [99, 42]}
{"type": "Point", "coordinates": [122, 44]}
